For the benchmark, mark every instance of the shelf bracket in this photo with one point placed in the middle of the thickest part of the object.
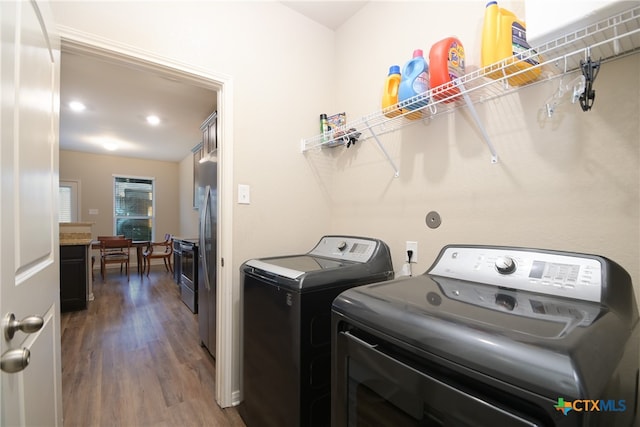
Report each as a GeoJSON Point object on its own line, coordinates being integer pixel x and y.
{"type": "Point", "coordinates": [389, 159]}
{"type": "Point", "coordinates": [474, 114]}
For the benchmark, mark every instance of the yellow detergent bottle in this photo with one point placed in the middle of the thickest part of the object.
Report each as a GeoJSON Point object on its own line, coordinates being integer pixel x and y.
{"type": "Point", "coordinates": [504, 37]}
{"type": "Point", "coordinates": [390, 94]}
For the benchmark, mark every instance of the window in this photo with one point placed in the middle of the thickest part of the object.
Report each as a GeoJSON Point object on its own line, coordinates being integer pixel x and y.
{"type": "Point", "coordinates": [133, 207]}
{"type": "Point", "coordinates": [68, 201]}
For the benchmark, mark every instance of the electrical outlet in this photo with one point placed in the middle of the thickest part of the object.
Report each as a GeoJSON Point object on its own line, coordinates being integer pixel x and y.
{"type": "Point", "coordinates": [412, 246]}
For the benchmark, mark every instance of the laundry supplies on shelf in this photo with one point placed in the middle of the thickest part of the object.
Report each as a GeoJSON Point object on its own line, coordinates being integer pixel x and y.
{"type": "Point", "coordinates": [446, 63]}
{"type": "Point", "coordinates": [414, 85]}
{"type": "Point", "coordinates": [390, 92]}
{"type": "Point", "coordinates": [504, 42]}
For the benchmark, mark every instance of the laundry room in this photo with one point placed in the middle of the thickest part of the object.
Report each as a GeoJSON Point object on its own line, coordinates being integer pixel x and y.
{"type": "Point", "coordinates": [565, 180]}
{"type": "Point", "coordinates": [550, 163]}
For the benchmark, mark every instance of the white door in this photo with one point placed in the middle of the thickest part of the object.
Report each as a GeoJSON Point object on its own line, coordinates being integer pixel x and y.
{"type": "Point", "coordinates": [29, 253]}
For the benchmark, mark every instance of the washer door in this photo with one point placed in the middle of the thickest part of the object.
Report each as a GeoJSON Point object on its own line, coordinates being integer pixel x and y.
{"type": "Point", "coordinates": [374, 388]}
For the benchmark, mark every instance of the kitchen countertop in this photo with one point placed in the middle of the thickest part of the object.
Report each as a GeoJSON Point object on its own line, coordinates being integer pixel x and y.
{"type": "Point", "coordinates": [75, 242]}
{"type": "Point", "coordinates": [75, 238]}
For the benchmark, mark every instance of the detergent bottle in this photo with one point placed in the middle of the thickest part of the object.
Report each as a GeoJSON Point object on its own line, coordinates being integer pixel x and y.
{"type": "Point", "coordinates": [414, 85]}
{"type": "Point", "coordinates": [390, 93]}
{"type": "Point", "coordinates": [446, 63]}
{"type": "Point", "coordinates": [504, 37]}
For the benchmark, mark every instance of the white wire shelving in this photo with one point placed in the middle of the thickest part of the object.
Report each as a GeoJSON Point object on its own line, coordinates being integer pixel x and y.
{"type": "Point", "coordinates": [610, 38]}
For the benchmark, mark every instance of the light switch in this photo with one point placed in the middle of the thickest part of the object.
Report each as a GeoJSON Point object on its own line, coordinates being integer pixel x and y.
{"type": "Point", "coordinates": [93, 211]}
{"type": "Point", "coordinates": [244, 194]}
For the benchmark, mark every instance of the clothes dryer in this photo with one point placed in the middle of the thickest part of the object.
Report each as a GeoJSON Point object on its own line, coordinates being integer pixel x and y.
{"type": "Point", "coordinates": [287, 327]}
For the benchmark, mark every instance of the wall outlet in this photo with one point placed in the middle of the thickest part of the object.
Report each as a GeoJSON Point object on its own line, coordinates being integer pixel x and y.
{"type": "Point", "coordinates": [93, 211]}
{"type": "Point", "coordinates": [411, 246]}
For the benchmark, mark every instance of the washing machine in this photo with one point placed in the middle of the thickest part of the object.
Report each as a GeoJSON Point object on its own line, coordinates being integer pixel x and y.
{"type": "Point", "coordinates": [490, 336]}
{"type": "Point", "coordinates": [287, 327]}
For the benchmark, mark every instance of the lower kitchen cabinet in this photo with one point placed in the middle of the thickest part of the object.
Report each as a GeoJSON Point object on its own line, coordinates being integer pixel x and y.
{"type": "Point", "coordinates": [73, 277]}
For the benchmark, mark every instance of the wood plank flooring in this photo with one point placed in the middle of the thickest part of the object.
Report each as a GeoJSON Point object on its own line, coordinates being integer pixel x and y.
{"type": "Point", "coordinates": [133, 358]}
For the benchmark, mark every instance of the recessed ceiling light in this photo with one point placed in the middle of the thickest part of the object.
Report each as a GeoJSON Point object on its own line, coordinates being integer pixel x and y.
{"type": "Point", "coordinates": [77, 106]}
{"type": "Point", "coordinates": [108, 142]}
{"type": "Point", "coordinates": [153, 120]}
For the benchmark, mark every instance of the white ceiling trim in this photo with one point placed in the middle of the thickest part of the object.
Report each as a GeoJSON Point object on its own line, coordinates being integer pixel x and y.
{"type": "Point", "coordinates": [90, 44]}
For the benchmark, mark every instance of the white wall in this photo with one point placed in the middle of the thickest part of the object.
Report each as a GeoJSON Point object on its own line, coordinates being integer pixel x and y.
{"type": "Point", "coordinates": [569, 183]}
{"type": "Point", "coordinates": [95, 174]}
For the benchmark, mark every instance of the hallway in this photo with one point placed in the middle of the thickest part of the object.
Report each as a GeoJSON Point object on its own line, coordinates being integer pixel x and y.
{"type": "Point", "coordinates": [134, 358]}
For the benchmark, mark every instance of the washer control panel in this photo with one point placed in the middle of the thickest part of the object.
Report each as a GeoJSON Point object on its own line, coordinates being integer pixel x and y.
{"type": "Point", "coordinates": [345, 248]}
{"type": "Point", "coordinates": [552, 273]}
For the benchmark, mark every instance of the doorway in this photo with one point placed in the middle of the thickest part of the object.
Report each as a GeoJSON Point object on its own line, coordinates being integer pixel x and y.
{"type": "Point", "coordinates": [222, 86]}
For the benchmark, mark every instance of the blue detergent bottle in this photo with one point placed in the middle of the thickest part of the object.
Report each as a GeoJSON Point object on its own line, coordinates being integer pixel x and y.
{"type": "Point", "coordinates": [415, 81]}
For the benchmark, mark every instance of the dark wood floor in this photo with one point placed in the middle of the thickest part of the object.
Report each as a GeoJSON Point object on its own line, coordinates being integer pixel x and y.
{"type": "Point", "coordinates": [133, 358]}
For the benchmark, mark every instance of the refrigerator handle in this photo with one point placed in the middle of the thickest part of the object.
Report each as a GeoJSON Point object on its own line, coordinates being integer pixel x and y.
{"type": "Point", "coordinates": [204, 212]}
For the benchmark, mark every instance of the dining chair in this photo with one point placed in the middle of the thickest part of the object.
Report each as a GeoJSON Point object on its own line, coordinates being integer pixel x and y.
{"type": "Point", "coordinates": [100, 239]}
{"type": "Point", "coordinates": [156, 250]}
{"type": "Point", "coordinates": [115, 251]}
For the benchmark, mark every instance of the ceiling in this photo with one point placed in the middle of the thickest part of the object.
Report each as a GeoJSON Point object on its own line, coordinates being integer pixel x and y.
{"type": "Point", "coordinates": [331, 14]}
{"type": "Point", "coordinates": [118, 97]}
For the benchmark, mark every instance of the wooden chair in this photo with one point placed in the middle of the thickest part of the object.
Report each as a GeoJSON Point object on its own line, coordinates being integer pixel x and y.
{"type": "Point", "coordinates": [115, 251]}
{"type": "Point", "coordinates": [162, 250]}
{"type": "Point", "coordinates": [100, 239]}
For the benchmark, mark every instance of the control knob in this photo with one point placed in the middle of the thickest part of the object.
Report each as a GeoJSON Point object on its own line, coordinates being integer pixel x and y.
{"type": "Point", "coordinates": [506, 301]}
{"type": "Point", "coordinates": [505, 265]}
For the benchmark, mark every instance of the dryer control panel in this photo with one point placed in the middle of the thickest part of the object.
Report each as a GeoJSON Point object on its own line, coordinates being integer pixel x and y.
{"type": "Point", "coordinates": [548, 272]}
{"type": "Point", "coordinates": [345, 248]}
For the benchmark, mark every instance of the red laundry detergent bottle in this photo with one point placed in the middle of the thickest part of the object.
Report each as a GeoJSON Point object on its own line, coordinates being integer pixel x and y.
{"type": "Point", "coordinates": [446, 63]}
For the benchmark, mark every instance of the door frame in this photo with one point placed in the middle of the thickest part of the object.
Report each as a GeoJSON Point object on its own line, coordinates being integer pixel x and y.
{"type": "Point", "coordinates": [86, 44]}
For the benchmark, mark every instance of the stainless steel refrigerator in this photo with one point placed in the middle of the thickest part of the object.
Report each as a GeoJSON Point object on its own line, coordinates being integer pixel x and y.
{"type": "Point", "coordinates": [207, 177]}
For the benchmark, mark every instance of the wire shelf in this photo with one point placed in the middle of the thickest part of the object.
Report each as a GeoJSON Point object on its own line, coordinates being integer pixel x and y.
{"type": "Point", "coordinates": [613, 37]}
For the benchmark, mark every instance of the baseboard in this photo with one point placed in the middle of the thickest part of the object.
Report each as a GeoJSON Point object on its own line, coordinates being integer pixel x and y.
{"type": "Point", "coordinates": [235, 398]}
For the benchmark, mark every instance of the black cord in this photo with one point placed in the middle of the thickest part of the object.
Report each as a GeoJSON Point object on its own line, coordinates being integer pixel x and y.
{"type": "Point", "coordinates": [590, 71]}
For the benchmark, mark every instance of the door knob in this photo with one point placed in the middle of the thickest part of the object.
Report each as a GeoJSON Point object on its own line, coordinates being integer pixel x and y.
{"type": "Point", "coordinates": [28, 325]}
{"type": "Point", "coordinates": [15, 360]}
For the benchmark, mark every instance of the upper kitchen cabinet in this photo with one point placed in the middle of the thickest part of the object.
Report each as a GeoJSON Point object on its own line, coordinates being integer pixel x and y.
{"type": "Point", "coordinates": [198, 153]}
{"type": "Point", "coordinates": [210, 134]}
